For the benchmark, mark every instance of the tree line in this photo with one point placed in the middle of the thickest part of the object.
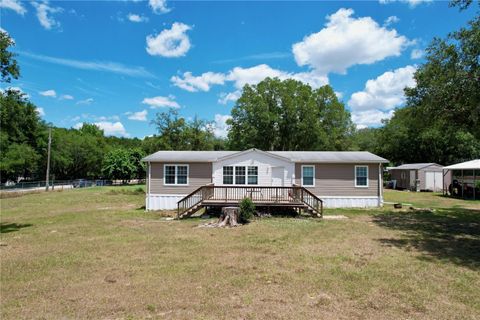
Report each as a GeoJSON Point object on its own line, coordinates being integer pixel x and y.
{"type": "Point", "coordinates": [439, 123]}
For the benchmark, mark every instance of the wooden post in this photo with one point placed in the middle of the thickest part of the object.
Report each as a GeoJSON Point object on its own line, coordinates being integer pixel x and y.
{"type": "Point", "coordinates": [48, 158]}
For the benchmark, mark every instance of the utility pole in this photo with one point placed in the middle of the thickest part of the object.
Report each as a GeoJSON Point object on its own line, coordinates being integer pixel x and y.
{"type": "Point", "coordinates": [48, 157]}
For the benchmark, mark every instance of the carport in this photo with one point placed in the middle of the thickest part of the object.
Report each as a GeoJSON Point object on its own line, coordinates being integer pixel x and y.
{"type": "Point", "coordinates": [465, 180]}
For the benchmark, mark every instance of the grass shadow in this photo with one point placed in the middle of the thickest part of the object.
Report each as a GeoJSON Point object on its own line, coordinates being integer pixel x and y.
{"type": "Point", "coordinates": [451, 234]}
{"type": "Point", "coordinates": [12, 227]}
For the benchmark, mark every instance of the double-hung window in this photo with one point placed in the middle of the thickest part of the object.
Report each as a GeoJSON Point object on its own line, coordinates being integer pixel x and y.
{"type": "Point", "coordinates": [176, 174]}
{"type": "Point", "coordinates": [252, 175]}
{"type": "Point", "coordinates": [361, 176]}
{"type": "Point", "coordinates": [240, 175]}
{"type": "Point", "coordinates": [308, 176]}
{"type": "Point", "coordinates": [228, 175]}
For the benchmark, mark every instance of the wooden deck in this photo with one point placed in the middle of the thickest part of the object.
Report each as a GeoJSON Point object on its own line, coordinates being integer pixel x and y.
{"type": "Point", "coordinates": [211, 195]}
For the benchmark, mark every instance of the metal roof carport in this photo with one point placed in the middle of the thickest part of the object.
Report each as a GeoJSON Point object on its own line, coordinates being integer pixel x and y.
{"type": "Point", "coordinates": [468, 173]}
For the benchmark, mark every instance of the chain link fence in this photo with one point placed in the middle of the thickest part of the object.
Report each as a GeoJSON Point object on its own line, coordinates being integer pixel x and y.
{"type": "Point", "coordinates": [65, 184]}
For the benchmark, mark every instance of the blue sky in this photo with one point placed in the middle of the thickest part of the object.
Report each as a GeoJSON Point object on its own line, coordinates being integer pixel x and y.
{"type": "Point", "coordinates": [117, 63]}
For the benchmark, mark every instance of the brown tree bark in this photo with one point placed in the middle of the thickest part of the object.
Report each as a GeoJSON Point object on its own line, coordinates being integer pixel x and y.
{"type": "Point", "coordinates": [228, 218]}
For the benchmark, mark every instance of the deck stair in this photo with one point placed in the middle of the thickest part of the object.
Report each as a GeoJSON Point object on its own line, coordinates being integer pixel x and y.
{"type": "Point", "coordinates": [210, 195]}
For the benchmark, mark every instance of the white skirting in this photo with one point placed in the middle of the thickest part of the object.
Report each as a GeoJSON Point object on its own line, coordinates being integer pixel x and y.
{"type": "Point", "coordinates": [169, 201]}
{"type": "Point", "coordinates": [351, 202]}
{"type": "Point", "coordinates": [163, 201]}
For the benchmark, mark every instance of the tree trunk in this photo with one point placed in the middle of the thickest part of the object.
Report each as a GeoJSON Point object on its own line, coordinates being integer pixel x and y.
{"type": "Point", "coordinates": [229, 217]}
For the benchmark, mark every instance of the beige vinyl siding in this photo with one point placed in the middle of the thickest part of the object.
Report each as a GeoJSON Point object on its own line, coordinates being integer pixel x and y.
{"type": "Point", "coordinates": [332, 179]}
{"type": "Point", "coordinates": [402, 183]}
{"type": "Point", "coordinates": [199, 174]}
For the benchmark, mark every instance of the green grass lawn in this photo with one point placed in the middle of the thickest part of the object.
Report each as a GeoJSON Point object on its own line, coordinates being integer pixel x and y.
{"type": "Point", "coordinates": [95, 253]}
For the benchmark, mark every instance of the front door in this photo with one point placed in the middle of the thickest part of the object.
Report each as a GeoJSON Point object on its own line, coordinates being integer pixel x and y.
{"type": "Point", "coordinates": [277, 176]}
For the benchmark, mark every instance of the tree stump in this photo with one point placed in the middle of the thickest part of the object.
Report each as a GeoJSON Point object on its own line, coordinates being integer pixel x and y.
{"type": "Point", "coordinates": [229, 217]}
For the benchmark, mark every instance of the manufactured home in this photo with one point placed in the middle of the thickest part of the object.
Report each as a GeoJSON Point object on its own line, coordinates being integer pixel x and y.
{"type": "Point", "coordinates": [189, 180]}
{"type": "Point", "coordinates": [418, 176]}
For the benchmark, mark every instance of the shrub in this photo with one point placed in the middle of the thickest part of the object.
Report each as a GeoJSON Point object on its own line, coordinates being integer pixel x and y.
{"type": "Point", "coordinates": [247, 209]}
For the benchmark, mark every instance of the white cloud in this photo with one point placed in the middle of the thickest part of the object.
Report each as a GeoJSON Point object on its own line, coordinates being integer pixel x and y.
{"type": "Point", "coordinates": [87, 117]}
{"type": "Point", "coordinates": [48, 93]}
{"type": "Point", "coordinates": [253, 75]}
{"type": "Point", "coordinates": [159, 6]}
{"type": "Point", "coordinates": [385, 92]}
{"type": "Point", "coordinates": [93, 65]}
{"type": "Point", "coordinates": [240, 76]}
{"type": "Point", "coordinates": [369, 118]}
{"type": "Point", "coordinates": [136, 18]}
{"type": "Point", "coordinates": [161, 102]}
{"type": "Point", "coordinates": [232, 96]}
{"type": "Point", "coordinates": [417, 54]}
{"type": "Point", "coordinates": [44, 12]}
{"type": "Point", "coordinates": [411, 3]}
{"type": "Point", "coordinates": [66, 97]}
{"type": "Point", "coordinates": [106, 118]}
{"type": "Point", "coordinates": [14, 5]}
{"type": "Point", "coordinates": [86, 101]}
{"type": "Point", "coordinates": [112, 128]}
{"type": "Point", "coordinates": [346, 41]}
{"type": "Point", "coordinates": [109, 128]}
{"type": "Point", "coordinates": [199, 83]}
{"type": "Point", "coordinates": [391, 20]}
{"type": "Point", "coordinates": [220, 127]}
{"type": "Point", "coordinates": [170, 43]}
{"type": "Point", "coordinates": [138, 116]}
{"type": "Point", "coordinates": [40, 111]}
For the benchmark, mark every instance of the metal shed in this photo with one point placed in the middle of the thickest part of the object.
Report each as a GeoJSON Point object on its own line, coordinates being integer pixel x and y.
{"type": "Point", "coordinates": [465, 178]}
{"type": "Point", "coordinates": [418, 176]}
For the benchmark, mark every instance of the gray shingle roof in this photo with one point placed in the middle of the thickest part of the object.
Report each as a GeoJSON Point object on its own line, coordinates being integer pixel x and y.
{"type": "Point", "coordinates": [295, 156]}
{"type": "Point", "coordinates": [187, 156]}
{"type": "Point", "coordinates": [331, 156]}
{"type": "Point", "coordinates": [414, 166]}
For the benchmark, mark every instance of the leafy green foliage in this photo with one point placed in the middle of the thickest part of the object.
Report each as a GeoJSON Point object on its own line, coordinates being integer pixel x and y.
{"type": "Point", "coordinates": [22, 136]}
{"type": "Point", "coordinates": [289, 115]}
{"type": "Point", "coordinates": [441, 122]}
{"type": "Point", "coordinates": [176, 133]}
{"type": "Point", "coordinates": [366, 140]}
{"type": "Point", "coordinates": [247, 210]}
{"type": "Point", "coordinates": [20, 160]}
{"type": "Point", "coordinates": [8, 65]}
{"type": "Point", "coordinates": [461, 4]}
{"type": "Point", "coordinates": [120, 164]}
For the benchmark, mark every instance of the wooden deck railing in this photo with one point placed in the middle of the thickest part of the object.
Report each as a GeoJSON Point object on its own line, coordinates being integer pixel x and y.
{"type": "Point", "coordinates": [262, 195]}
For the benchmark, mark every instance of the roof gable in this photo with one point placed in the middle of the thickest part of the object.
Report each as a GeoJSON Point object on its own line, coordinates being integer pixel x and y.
{"type": "Point", "coordinates": [253, 150]}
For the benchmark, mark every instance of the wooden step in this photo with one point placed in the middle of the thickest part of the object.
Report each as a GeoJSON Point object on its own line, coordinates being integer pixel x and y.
{"type": "Point", "coordinates": [190, 211]}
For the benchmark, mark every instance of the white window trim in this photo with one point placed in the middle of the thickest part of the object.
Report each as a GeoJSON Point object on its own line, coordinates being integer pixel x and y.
{"type": "Point", "coordinates": [301, 176]}
{"type": "Point", "coordinates": [235, 176]}
{"type": "Point", "coordinates": [251, 184]}
{"type": "Point", "coordinates": [176, 176]}
{"type": "Point", "coordinates": [355, 173]}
